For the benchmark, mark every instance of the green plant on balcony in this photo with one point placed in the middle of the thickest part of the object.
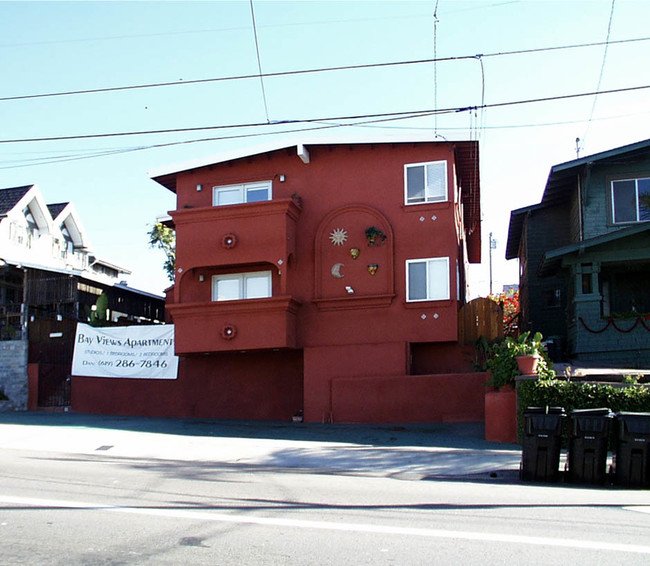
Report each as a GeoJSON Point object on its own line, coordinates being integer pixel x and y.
{"type": "Point", "coordinates": [375, 236]}
{"type": "Point", "coordinates": [501, 358]}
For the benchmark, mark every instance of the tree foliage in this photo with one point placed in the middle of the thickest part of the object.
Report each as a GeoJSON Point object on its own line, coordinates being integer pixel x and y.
{"type": "Point", "coordinates": [98, 316]}
{"type": "Point", "coordinates": [164, 238]}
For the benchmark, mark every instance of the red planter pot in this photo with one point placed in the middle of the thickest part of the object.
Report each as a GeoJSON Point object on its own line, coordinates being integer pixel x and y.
{"type": "Point", "coordinates": [528, 364]}
{"type": "Point", "coordinates": [501, 415]}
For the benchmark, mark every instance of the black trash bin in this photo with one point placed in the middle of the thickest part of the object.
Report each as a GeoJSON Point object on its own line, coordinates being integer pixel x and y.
{"type": "Point", "coordinates": [588, 442]}
{"type": "Point", "coordinates": [541, 444]}
{"type": "Point", "coordinates": [632, 456]}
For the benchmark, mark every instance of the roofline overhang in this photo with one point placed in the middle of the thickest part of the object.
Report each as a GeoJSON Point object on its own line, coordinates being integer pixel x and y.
{"type": "Point", "coordinates": [166, 175]}
{"type": "Point", "coordinates": [552, 259]}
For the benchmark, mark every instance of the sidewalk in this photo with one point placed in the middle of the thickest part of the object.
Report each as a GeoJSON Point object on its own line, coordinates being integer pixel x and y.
{"type": "Point", "coordinates": [414, 451]}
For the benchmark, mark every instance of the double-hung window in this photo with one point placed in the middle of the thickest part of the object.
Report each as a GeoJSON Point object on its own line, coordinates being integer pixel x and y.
{"type": "Point", "coordinates": [631, 200]}
{"type": "Point", "coordinates": [238, 194]}
{"type": "Point", "coordinates": [237, 286]}
{"type": "Point", "coordinates": [427, 279]}
{"type": "Point", "coordinates": [425, 182]}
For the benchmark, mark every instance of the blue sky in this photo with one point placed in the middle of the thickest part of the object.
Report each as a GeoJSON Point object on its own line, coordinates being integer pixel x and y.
{"type": "Point", "coordinates": [54, 47]}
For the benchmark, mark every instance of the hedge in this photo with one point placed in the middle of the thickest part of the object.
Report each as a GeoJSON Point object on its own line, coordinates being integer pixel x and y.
{"type": "Point", "coordinates": [580, 395]}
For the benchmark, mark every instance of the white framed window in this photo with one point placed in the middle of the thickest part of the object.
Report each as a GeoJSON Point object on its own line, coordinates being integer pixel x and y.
{"type": "Point", "coordinates": [427, 279]}
{"type": "Point", "coordinates": [631, 200]}
{"type": "Point", "coordinates": [239, 194]}
{"type": "Point", "coordinates": [425, 182]}
{"type": "Point", "coordinates": [238, 286]}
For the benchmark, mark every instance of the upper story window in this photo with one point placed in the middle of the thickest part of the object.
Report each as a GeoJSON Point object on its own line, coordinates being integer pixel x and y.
{"type": "Point", "coordinates": [425, 182]}
{"type": "Point", "coordinates": [427, 279]}
{"type": "Point", "coordinates": [238, 194]}
{"type": "Point", "coordinates": [237, 286]}
{"type": "Point", "coordinates": [32, 226]}
{"type": "Point", "coordinates": [68, 241]}
{"type": "Point", "coordinates": [631, 200]}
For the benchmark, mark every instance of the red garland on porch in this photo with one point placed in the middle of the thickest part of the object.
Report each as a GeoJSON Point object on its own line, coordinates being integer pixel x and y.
{"type": "Point", "coordinates": [612, 322]}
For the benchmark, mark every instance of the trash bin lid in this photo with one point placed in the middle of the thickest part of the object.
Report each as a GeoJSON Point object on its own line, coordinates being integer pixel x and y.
{"type": "Point", "coordinates": [600, 412]}
{"type": "Point", "coordinates": [635, 423]}
{"type": "Point", "coordinates": [544, 411]}
{"type": "Point", "coordinates": [626, 414]}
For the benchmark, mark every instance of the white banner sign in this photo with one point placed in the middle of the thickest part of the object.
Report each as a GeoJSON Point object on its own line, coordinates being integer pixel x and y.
{"type": "Point", "coordinates": [143, 352]}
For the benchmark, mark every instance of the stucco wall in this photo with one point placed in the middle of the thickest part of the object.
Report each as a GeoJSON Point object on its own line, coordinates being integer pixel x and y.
{"type": "Point", "coordinates": [410, 399]}
{"type": "Point", "coordinates": [252, 385]}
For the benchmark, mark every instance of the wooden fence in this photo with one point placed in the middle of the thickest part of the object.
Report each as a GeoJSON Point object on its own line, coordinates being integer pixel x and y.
{"type": "Point", "coordinates": [480, 317]}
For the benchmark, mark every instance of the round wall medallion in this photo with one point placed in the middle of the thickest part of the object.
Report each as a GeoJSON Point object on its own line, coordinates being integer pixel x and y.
{"type": "Point", "coordinates": [229, 241]}
{"type": "Point", "coordinates": [229, 331]}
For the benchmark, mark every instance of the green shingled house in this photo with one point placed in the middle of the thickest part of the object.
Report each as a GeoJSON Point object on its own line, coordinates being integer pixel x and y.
{"type": "Point", "coordinates": [584, 255]}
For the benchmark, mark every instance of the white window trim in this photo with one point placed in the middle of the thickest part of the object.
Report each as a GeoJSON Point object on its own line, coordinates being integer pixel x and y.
{"type": "Point", "coordinates": [243, 190]}
{"type": "Point", "coordinates": [427, 198]}
{"type": "Point", "coordinates": [241, 278]}
{"type": "Point", "coordinates": [447, 294]}
{"type": "Point", "coordinates": [636, 189]}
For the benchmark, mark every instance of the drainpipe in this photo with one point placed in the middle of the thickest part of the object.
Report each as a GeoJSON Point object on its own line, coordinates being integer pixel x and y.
{"type": "Point", "coordinates": [581, 235]}
{"type": "Point", "coordinates": [24, 309]}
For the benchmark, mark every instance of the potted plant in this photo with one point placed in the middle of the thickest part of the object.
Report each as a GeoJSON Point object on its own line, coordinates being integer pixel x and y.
{"type": "Point", "coordinates": [375, 236]}
{"type": "Point", "coordinates": [503, 367]}
{"type": "Point", "coordinates": [528, 352]}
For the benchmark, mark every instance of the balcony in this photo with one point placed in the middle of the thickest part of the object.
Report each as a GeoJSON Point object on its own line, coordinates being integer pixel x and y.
{"type": "Point", "coordinates": [226, 326]}
{"type": "Point", "coordinates": [261, 232]}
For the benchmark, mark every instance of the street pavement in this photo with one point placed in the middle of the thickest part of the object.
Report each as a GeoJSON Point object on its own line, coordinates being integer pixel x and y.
{"type": "Point", "coordinates": [409, 451]}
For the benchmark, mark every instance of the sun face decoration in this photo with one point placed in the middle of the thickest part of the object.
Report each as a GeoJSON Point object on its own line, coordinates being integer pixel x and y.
{"type": "Point", "coordinates": [338, 236]}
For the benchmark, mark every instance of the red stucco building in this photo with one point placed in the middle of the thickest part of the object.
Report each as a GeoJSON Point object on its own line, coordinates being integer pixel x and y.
{"type": "Point", "coordinates": [283, 304]}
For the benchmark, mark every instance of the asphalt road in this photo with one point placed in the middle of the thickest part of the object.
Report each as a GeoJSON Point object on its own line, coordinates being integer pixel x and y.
{"type": "Point", "coordinates": [63, 503]}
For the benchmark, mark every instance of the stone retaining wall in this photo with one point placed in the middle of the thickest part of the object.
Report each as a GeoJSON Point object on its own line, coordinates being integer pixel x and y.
{"type": "Point", "coordinates": [13, 375]}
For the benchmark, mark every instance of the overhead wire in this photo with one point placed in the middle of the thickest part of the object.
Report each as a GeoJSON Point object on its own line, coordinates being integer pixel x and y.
{"type": "Point", "coordinates": [311, 71]}
{"type": "Point", "coordinates": [435, 65]}
{"type": "Point", "coordinates": [600, 80]}
{"type": "Point", "coordinates": [410, 113]}
{"type": "Point", "coordinates": [324, 126]}
{"type": "Point", "coordinates": [259, 62]}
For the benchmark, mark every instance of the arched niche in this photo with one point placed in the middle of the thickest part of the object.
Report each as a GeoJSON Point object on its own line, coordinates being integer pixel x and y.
{"type": "Point", "coordinates": [350, 271]}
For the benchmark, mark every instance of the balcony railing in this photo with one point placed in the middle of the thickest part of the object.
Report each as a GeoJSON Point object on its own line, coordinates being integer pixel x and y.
{"type": "Point", "coordinates": [261, 232]}
{"type": "Point", "coordinates": [224, 326]}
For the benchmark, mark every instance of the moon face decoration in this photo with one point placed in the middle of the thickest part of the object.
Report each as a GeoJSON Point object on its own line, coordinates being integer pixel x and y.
{"type": "Point", "coordinates": [336, 271]}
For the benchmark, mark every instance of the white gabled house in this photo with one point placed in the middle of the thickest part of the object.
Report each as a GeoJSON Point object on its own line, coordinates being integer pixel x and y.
{"type": "Point", "coordinates": [36, 234]}
{"type": "Point", "coordinates": [50, 279]}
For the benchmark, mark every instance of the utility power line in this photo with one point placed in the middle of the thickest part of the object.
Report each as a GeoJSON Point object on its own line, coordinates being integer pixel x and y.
{"type": "Point", "coordinates": [383, 115]}
{"type": "Point", "coordinates": [319, 70]}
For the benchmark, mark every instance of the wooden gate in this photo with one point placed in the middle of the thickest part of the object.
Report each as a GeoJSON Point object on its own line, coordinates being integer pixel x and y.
{"type": "Point", "coordinates": [480, 317]}
{"type": "Point", "coordinates": [51, 345]}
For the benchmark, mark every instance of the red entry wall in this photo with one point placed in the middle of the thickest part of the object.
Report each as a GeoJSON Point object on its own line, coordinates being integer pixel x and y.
{"type": "Point", "coordinates": [409, 399]}
{"type": "Point", "coordinates": [259, 386]}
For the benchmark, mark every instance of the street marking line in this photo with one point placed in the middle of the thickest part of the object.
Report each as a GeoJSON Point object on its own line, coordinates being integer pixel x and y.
{"type": "Point", "coordinates": [326, 525]}
{"type": "Point", "coordinates": [638, 508]}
